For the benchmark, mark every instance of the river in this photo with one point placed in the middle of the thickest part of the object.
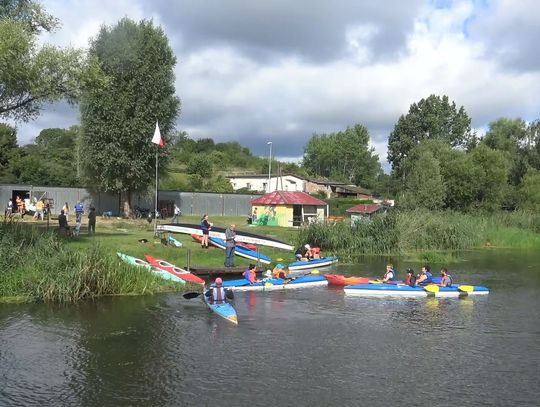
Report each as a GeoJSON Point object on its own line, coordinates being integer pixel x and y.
{"type": "Point", "coordinates": [305, 347]}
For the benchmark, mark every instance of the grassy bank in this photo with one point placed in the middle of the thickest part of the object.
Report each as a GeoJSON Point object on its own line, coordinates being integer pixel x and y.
{"type": "Point", "coordinates": [427, 233]}
{"type": "Point", "coordinates": [37, 265]}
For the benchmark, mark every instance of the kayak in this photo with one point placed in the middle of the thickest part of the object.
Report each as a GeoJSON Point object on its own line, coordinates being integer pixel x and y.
{"type": "Point", "coordinates": [198, 238]}
{"type": "Point", "coordinates": [241, 251]}
{"type": "Point", "coordinates": [276, 283]}
{"type": "Point", "coordinates": [338, 279]}
{"type": "Point", "coordinates": [134, 261]}
{"type": "Point", "coordinates": [172, 269]}
{"type": "Point", "coordinates": [173, 242]}
{"type": "Point", "coordinates": [404, 290]}
{"type": "Point", "coordinates": [218, 232]}
{"type": "Point", "coordinates": [224, 310]}
{"type": "Point", "coordinates": [310, 264]}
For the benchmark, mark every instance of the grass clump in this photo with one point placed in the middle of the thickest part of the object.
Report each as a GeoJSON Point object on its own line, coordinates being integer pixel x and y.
{"type": "Point", "coordinates": [36, 265]}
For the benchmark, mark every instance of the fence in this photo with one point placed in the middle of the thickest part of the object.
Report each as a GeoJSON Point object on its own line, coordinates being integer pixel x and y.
{"type": "Point", "coordinates": [190, 203]}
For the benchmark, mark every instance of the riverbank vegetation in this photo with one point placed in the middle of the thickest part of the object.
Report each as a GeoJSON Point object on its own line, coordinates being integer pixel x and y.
{"type": "Point", "coordinates": [38, 265]}
{"type": "Point", "coordinates": [423, 231]}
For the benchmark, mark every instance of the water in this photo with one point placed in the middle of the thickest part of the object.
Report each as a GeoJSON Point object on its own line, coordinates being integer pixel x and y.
{"type": "Point", "coordinates": [306, 347]}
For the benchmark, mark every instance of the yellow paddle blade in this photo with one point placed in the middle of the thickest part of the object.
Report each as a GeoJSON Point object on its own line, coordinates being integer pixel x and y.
{"type": "Point", "coordinates": [432, 288]}
{"type": "Point", "coordinates": [315, 272]}
{"type": "Point", "coordinates": [267, 284]}
{"type": "Point", "coordinates": [280, 259]}
{"type": "Point", "coordinates": [466, 288]}
{"type": "Point", "coordinates": [375, 282]}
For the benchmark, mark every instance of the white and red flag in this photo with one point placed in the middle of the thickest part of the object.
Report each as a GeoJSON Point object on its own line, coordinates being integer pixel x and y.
{"type": "Point", "coordinates": [157, 139]}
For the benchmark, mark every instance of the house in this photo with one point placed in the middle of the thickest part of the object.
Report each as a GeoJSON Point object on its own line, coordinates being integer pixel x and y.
{"type": "Point", "coordinates": [287, 208]}
{"type": "Point", "coordinates": [291, 182]}
{"type": "Point", "coordinates": [363, 212]}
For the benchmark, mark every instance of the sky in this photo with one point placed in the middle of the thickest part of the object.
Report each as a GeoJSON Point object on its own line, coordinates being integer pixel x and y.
{"type": "Point", "coordinates": [281, 70]}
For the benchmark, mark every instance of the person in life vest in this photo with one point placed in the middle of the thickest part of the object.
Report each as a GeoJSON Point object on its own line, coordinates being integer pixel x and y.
{"type": "Point", "coordinates": [279, 271]}
{"type": "Point", "coordinates": [251, 273]}
{"type": "Point", "coordinates": [308, 254]}
{"type": "Point", "coordinates": [446, 279]}
{"type": "Point", "coordinates": [411, 278]}
{"type": "Point", "coordinates": [218, 294]}
{"type": "Point", "coordinates": [390, 275]}
{"type": "Point", "coordinates": [426, 277]}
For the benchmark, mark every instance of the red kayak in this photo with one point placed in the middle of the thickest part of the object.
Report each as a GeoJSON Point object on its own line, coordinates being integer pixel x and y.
{"type": "Point", "coordinates": [175, 271]}
{"type": "Point", "coordinates": [248, 246]}
{"type": "Point", "coordinates": [338, 279]}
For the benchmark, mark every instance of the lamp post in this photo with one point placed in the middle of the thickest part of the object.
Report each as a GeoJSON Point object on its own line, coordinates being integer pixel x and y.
{"type": "Point", "coordinates": [269, 165]}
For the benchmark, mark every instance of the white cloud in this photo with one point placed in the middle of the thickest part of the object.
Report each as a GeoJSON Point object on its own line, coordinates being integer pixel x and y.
{"type": "Point", "coordinates": [229, 93]}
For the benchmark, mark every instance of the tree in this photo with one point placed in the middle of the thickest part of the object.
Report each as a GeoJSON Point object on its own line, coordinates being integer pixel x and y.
{"type": "Point", "coordinates": [200, 165]}
{"type": "Point", "coordinates": [30, 75]}
{"type": "Point", "coordinates": [118, 118]}
{"type": "Point", "coordinates": [431, 118]}
{"type": "Point", "coordinates": [425, 187]}
{"type": "Point", "coordinates": [529, 191]}
{"type": "Point", "coordinates": [344, 155]}
{"type": "Point", "coordinates": [8, 144]}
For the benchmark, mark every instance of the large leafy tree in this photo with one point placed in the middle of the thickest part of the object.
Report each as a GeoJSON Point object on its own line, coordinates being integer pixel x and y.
{"type": "Point", "coordinates": [431, 118]}
{"type": "Point", "coordinates": [344, 155]}
{"type": "Point", "coordinates": [529, 191]}
{"type": "Point", "coordinates": [425, 187]}
{"type": "Point", "coordinates": [118, 119]}
{"type": "Point", "coordinates": [8, 145]}
{"type": "Point", "coordinates": [31, 75]}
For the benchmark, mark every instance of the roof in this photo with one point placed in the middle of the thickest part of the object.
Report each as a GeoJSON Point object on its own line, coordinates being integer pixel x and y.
{"type": "Point", "coordinates": [287, 198]}
{"type": "Point", "coordinates": [365, 208]}
{"type": "Point", "coordinates": [355, 189]}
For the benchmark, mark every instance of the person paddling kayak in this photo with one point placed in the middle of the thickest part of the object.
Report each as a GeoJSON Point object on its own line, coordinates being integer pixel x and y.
{"type": "Point", "coordinates": [411, 278]}
{"type": "Point", "coordinates": [446, 279]}
{"type": "Point", "coordinates": [218, 294]}
{"type": "Point", "coordinates": [390, 275]}
{"type": "Point", "coordinates": [279, 271]}
{"type": "Point", "coordinates": [426, 277]}
{"type": "Point", "coordinates": [251, 274]}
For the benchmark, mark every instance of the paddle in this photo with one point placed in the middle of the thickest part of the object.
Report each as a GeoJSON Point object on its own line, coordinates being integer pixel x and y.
{"type": "Point", "coordinates": [189, 296]}
{"type": "Point", "coordinates": [466, 288]}
{"type": "Point", "coordinates": [288, 280]}
{"type": "Point", "coordinates": [431, 288]}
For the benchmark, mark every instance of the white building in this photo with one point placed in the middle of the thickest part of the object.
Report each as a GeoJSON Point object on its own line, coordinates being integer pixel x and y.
{"type": "Point", "coordinates": [260, 183]}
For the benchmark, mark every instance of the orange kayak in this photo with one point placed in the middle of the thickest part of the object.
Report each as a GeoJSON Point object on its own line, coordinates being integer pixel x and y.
{"type": "Point", "coordinates": [338, 279]}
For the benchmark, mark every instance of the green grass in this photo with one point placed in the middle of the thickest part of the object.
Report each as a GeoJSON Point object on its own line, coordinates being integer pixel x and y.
{"type": "Point", "coordinates": [37, 265]}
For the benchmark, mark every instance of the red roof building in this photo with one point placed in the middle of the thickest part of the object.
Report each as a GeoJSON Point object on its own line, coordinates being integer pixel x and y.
{"type": "Point", "coordinates": [366, 209]}
{"type": "Point", "coordinates": [284, 208]}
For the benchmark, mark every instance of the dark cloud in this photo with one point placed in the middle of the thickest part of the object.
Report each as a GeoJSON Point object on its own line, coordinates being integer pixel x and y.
{"type": "Point", "coordinates": [311, 29]}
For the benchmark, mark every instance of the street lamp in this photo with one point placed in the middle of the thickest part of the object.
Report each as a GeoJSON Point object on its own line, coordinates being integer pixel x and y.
{"type": "Point", "coordinates": [269, 164]}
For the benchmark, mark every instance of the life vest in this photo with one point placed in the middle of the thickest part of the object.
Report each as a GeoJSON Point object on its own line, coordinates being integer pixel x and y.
{"type": "Point", "coordinates": [429, 278]}
{"type": "Point", "coordinates": [315, 250]}
{"type": "Point", "coordinates": [446, 281]}
{"type": "Point", "coordinates": [278, 273]}
{"type": "Point", "coordinates": [79, 208]}
{"type": "Point", "coordinates": [393, 275]}
{"type": "Point", "coordinates": [249, 275]}
{"type": "Point", "coordinates": [411, 280]}
{"type": "Point", "coordinates": [218, 295]}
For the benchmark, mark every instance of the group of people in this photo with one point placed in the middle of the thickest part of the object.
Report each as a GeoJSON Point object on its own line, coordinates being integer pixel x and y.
{"type": "Point", "coordinates": [423, 278]}
{"type": "Point", "coordinates": [230, 239]}
{"type": "Point", "coordinates": [307, 253]}
{"type": "Point", "coordinates": [63, 219]}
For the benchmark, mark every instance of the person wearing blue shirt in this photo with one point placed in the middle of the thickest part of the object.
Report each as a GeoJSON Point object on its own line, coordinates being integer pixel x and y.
{"type": "Point", "coordinates": [79, 210]}
{"type": "Point", "coordinates": [426, 277]}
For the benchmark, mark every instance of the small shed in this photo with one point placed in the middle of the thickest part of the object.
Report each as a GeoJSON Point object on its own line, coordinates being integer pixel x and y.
{"type": "Point", "coordinates": [287, 208]}
{"type": "Point", "coordinates": [363, 212]}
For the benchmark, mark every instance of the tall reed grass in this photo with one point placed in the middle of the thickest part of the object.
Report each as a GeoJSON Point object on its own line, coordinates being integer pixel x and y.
{"type": "Point", "coordinates": [36, 265]}
{"type": "Point", "coordinates": [409, 231]}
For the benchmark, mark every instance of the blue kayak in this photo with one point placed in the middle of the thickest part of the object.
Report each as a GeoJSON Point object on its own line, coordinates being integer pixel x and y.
{"type": "Point", "coordinates": [241, 251]}
{"type": "Point", "coordinates": [276, 283]}
{"type": "Point", "coordinates": [224, 310]}
{"type": "Point", "coordinates": [403, 290]}
{"type": "Point", "coordinates": [311, 264]}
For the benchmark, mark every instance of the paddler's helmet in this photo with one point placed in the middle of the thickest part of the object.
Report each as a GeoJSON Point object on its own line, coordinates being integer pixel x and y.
{"type": "Point", "coordinates": [280, 266]}
{"type": "Point", "coordinates": [219, 281]}
{"type": "Point", "coordinates": [307, 246]}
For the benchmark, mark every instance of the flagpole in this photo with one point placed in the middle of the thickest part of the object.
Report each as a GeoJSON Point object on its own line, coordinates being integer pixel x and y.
{"type": "Point", "coordinates": [156, 202]}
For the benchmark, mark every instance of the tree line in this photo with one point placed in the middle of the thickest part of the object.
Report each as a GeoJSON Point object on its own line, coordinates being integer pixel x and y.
{"type": "Point", "coordinates": [124, 83]}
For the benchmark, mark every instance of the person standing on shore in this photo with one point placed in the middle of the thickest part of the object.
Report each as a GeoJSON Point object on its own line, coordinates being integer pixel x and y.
{"type": "Point", "coordinates": [176, 214]}
{"type": "Point", "coordinates": [79, 210]}
{"type": "Point", "coordinates": [92, 220]}
{"type": "Point", "coordinates": [65, 208]}
{"type": "Point", "coordinates": [205, 227]}
{"type": "Point", "coordinates": [230, 244]}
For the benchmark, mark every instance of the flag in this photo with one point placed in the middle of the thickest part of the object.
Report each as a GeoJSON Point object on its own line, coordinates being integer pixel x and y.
{"type": "Point", "coordinates": [157, 139]}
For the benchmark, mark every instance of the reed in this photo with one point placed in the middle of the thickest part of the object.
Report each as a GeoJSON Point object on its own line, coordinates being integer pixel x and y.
{"type": "Point", "coordinates": [36, 265]}
{"type": "Point", "coordinates": [425, 232]}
